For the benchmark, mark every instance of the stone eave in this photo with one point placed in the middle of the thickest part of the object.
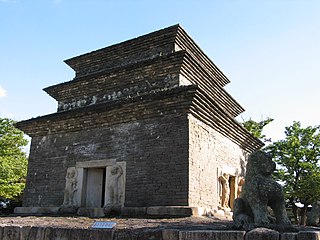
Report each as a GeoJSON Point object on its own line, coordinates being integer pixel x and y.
{"type": "Point", "coordinates": [184, 41]}
{"type": "Point", "coordinates": [182, 61]}
{"type": "Point", "coordinates": [206, 110]}
{"type": "Point", "coordinates": [57, 91]}
{"type": "Point", "coordinates": [158, 104]}
{"type": "Point", "coordinates": [194, 72]}
{"type": "Point", "coordinates": [174, 38]}
{"type": "Point", "coordinates": [186, 99]}
{"type": "Point", "coordinates": [134, 45]}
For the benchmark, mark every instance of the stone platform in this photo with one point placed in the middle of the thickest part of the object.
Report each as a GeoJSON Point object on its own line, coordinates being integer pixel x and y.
{"type": "Point", "coordinates": [76, 228]}
{"type": "Point", "coordinates": [154, 211]}
{"type": "Point", "coordinates": [51, 233]}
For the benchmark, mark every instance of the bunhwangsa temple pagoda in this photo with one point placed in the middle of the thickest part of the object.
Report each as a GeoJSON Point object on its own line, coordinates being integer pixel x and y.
{"type": "Point", "coordinates": [144, 127]}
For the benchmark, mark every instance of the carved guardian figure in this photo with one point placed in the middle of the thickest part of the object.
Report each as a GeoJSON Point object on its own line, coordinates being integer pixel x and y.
{"type": "Point", "coordinates": [70, 188]}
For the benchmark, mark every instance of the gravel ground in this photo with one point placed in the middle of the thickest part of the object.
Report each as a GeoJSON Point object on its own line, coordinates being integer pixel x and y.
{"type": "Point", "coordinates": [186, 223]}
{"type": "Point", "coordinates": [122, 223]}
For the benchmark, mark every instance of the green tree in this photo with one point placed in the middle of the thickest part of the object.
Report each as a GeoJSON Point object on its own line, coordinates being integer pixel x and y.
{"type": "Point", "coordinates": [297, 157]}
{"type": "Point", "coordinates": [13, 161]}
{"type": "Point", "coordinates": [256, 128]}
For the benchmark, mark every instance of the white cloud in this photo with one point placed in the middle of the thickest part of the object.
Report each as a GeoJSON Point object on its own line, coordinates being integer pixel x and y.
{"type": "Point", "coordinates": [2, 92]}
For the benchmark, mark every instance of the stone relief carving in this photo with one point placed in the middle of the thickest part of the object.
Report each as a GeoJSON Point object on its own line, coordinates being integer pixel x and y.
{"type": "Point", "coordinates": [114, 187]}
{"type": "Point", "coordinates": [240, 184]}
{"type": "Point", "coordinates": [224, 191]}
{"type": "Point", "coordinates": [258, 192]}
{"type": "Point", "coordinates": [70, 188]}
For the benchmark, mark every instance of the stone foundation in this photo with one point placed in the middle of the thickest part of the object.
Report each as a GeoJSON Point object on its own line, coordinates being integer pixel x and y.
{"type": "Point", "coordinates": [44, 233]}
{"type": "Point", "coordinates": [154, 211]}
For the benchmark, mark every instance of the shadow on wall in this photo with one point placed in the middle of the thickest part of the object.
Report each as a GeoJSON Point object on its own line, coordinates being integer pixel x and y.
{"type": "Point", "coordinates": [243, 163]}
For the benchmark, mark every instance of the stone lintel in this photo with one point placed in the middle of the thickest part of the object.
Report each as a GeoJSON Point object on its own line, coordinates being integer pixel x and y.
{"type": "Point", "coordinates": [96, 163]}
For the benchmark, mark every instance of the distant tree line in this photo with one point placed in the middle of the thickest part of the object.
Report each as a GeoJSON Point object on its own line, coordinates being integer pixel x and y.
{"type": "Point", "coordinates": [13, 162]}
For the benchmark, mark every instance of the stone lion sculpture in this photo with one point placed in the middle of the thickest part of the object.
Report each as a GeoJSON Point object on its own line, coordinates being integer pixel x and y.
{"type": "Point", "coordinates": [258, 192]}
{"type": "Point", "coordinates": [314, 215]}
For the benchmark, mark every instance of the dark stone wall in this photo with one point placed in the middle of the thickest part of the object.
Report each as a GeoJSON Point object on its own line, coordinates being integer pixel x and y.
{"type": "Point", "coordinates": [155, 151]}
{"type": "Point", "coordinates": [137, 79]}
{"type": "Point", "coordinates": [130, 102]}
{"type": "Point", "coordinates": [134, 50]}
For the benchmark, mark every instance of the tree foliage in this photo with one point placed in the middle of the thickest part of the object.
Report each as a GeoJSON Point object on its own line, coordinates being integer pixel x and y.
{"type": "Point", "coordinates": [256, 128]}
{"type": "Point", "coordinates": [297, 157]}
{"type": "Point", "coordinates": [13, 161]}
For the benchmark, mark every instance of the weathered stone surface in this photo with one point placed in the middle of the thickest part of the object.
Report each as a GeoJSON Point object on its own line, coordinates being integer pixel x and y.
{"type": "Point", "coordinates": [1, 231]}
{"type": "Point", "coordinates": [308, 235]}
{"type": "Point", "coordinates": [58, 233]}
{"type": "Point", "coordinates": [289, 236]}
{"type": "Point", "coordinates": [207, 235]}
{"type": "Point", "coordinates": [134, 211]}
{"type": "Point", "coordinates": [262, 234]}
{"type": "Point", "coordinates": [200, 211]}
{"type": "Point", "coordinates": [169, 211]}
{"type": "Point", "coordinates": [103, 234]}
{"type": "Point", "coordinates": [170, 234]}
{"type": "Point", "coordinates": [155, 46]}
{"type": "Point", "coordinates": [259, 192]}
{"type": "Point", "coordinates": [55, 233]}
{"type": "Point", "coordinates": [70, 188]}
{"type": "Point", "coordinates": [155, 102]}
{"type": "Point", "coordinates": [11, 233]}
{"type": "Point", "coordinates": [91, 212]}
{"type": "Point", "coordinates": [115, 186]}
{"type": "Point", "coordinates": [314, 215]}
{"type": "Point", "coordinates": [38, 233]}
{"type": "Point", "coordinates": [68, 210]}
{"type": "Point", "coordinates": [36, 210]}
{"type": "Point", "coordinates": [206, 163]}
{"type": "Point", "coordinates": [24, 233]}
{"type": "Point", "coordinates": [156, 155]}
{"type": "Point", "coordinates": [139, 234]}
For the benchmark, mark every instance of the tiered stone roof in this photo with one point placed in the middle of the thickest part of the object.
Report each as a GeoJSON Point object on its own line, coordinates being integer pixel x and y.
{"type": "Point", "coordinates": [159, 73]}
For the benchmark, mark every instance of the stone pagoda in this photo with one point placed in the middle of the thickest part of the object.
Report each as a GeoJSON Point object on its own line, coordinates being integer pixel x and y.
{"type": "Point", "coordinates": [144, 127]}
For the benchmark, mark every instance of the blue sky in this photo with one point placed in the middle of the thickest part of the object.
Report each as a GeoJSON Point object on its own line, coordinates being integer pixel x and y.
{"type": "Point", "coordinates": [269, 49]}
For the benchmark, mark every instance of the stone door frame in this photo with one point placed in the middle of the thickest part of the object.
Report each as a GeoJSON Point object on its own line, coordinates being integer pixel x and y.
{"type": "Point", "coordinates": [81, 177]}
